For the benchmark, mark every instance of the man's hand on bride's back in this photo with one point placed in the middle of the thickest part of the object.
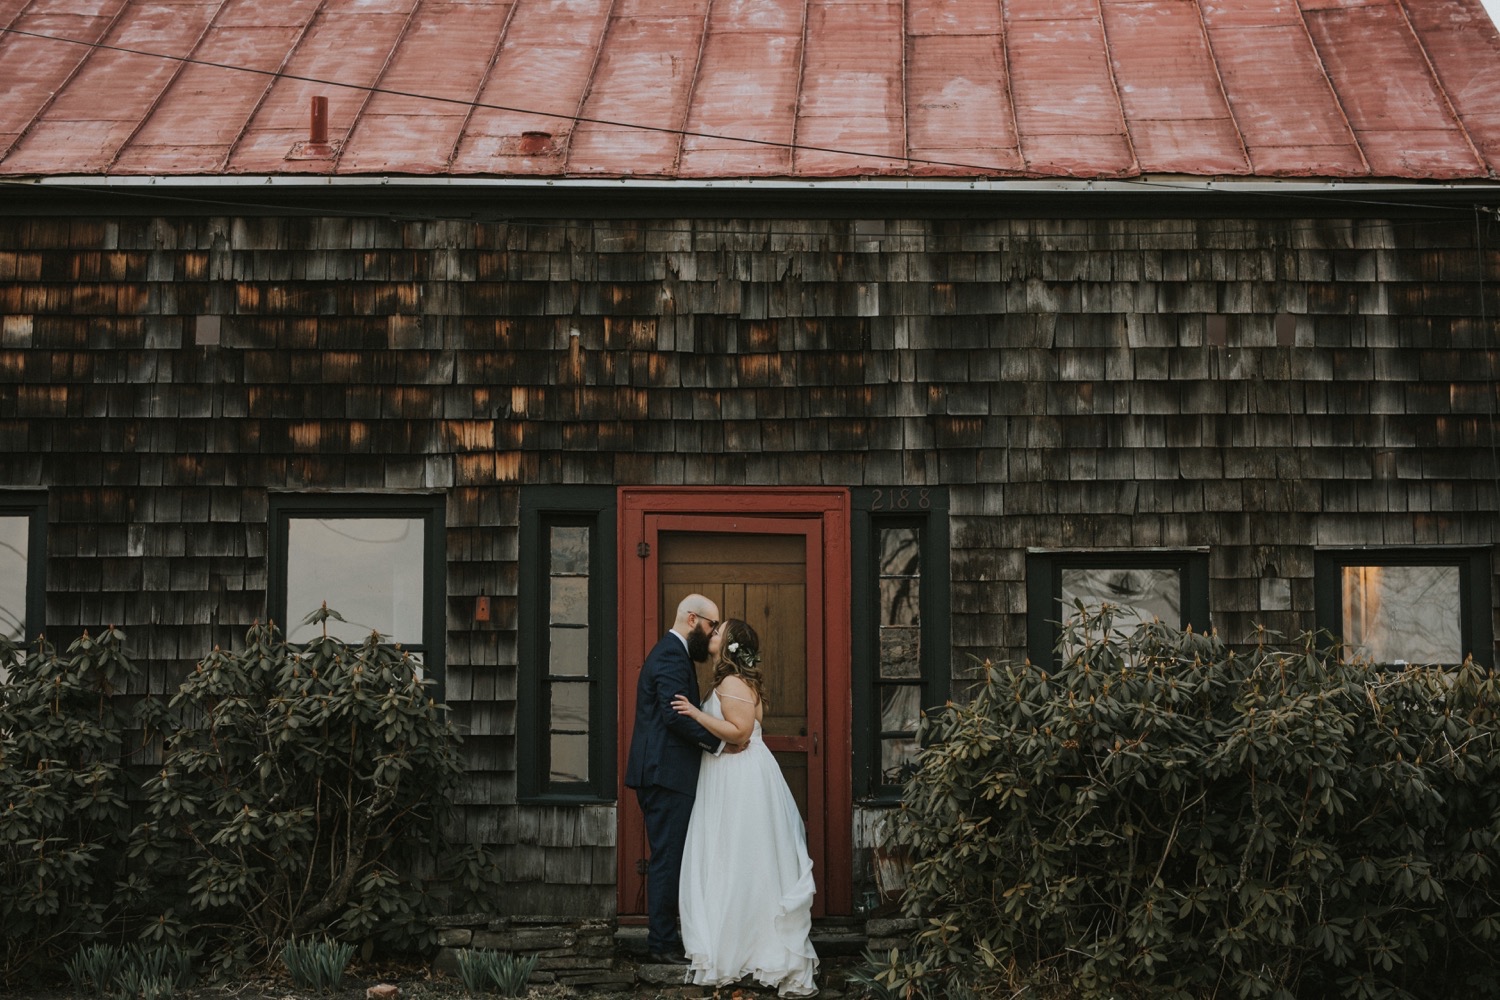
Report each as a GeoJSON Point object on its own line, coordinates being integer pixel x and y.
{"type": "Point", "coordinates": [736, 747]}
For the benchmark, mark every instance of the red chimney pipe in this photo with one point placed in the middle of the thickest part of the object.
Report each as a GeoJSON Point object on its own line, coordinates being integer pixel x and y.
{"type": "Point", "coordinates": [319, 128]}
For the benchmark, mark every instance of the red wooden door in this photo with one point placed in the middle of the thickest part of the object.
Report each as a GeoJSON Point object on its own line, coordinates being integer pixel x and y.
{"type": "Point", "coordinates": [764, 556]}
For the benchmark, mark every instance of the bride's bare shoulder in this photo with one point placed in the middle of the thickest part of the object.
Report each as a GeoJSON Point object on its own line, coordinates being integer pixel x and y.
{"type": "Point", "coordinates": [734, 686]}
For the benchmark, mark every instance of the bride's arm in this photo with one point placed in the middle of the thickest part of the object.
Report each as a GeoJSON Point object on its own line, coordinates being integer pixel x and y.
{"type": "Point", "coordinates": [739, 715]}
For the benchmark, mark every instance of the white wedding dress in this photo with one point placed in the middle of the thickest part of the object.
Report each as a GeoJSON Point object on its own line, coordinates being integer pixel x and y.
{"type": "Point", "coordinates": [747, 882]}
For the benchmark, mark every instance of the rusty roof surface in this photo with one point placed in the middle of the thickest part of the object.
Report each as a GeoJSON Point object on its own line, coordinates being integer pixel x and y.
{"type": "Point", "coordinates": [752, 89]}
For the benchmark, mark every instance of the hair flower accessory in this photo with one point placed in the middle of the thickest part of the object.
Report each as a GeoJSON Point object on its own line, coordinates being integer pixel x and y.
{"type": "Point", "coordinates": [749, 657]}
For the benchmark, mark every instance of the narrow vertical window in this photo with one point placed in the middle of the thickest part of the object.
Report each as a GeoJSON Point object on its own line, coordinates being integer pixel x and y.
{"type": "Point", "coordinates": [565, 671]}
{"type": "Point", "coordinates": [900, 649]}
{"type": "Point", "coordinates": [569, 679]}
{"type": "Point", "coordinates": [899, 684]}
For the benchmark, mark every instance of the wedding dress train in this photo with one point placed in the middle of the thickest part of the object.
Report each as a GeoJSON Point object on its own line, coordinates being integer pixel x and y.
{"type": "Point", "coordinates": [747, 881]}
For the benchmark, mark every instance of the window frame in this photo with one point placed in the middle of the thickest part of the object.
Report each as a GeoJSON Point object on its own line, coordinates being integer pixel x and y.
{"type": "Point", "coordinates": [872, 509]}
{"type": "Point", "coordinates": [543, 507]}
{"type": "Point", "coordinates": [33, 506]}
{"type": "Point", "coordinates": [1044, 588]}
{"type": "Point", "coordinates": [1476, 628]}
{"type": "Point", "coordinates": [431, 509]}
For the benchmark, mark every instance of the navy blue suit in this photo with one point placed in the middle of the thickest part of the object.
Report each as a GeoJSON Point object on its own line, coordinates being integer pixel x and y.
{"type": "Point", "coordinates": [665, 749]}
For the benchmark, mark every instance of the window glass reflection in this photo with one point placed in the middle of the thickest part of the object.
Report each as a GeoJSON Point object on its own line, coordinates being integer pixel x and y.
{"type": "Point", "coordinates": [900, 551]}
{"type": "Point", "coordinates": [568, 651]}
{"type": "Point", "coordinates": [569, 600]}
{"type": "Point", "coordinates": [570, 551]}
{"type": "Point", "coordinates": [900, 652]}
{"type": "Point", "coordinates": [570, 706]}
{"type": "Point", "coordinates": [1137, 594]}
{"type": "Point", "coordinates": [900, 707]}
{"type": "Point", "coordinates": [15, 532]}
{"type": "Point", "coordinates": [900, 601]}
{"type": "Point", "coordinates": [570, 758]}
{"type": "Point", "coordinates": [569, 739]}
{"type": "Point", "coordinates": [1403, 614]}
{"type": "Point", "coordinates": [368, 569]}
{"type": "Point", "coordinates": [897, 759]}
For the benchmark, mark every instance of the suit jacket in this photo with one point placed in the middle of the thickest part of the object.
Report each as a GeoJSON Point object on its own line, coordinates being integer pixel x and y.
{"type": "Point", "coordinates": [665, 747]}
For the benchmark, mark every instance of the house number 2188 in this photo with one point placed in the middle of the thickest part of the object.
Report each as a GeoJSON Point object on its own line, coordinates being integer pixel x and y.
{"type": "Point", "coordinates": [905, 498]}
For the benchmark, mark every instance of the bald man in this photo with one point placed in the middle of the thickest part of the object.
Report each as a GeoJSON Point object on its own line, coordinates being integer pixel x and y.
{"type": "Point", "coordinates": [665, 749]}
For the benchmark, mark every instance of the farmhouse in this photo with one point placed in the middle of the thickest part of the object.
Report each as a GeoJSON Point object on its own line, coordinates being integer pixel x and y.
{"type": "Point", "coordinates": [895, 326]}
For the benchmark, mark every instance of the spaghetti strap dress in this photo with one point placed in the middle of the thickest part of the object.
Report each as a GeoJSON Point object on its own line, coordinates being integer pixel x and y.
{"type": "Point", "coordinates": [747, 886]}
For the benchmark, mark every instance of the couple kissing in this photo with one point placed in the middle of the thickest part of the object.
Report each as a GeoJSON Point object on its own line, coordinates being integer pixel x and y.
{"type": "Point", "coordinates": [729, 885]}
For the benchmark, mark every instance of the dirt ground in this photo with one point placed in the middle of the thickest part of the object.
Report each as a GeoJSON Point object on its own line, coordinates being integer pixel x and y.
{"type": "Point", "coordinates": [416, 983]}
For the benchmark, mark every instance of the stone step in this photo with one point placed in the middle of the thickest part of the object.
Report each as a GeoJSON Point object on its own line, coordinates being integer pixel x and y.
{"type": "Point", "coordinates": [830, 936]}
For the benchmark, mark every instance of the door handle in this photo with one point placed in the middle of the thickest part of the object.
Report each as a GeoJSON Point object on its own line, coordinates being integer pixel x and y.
{"type": "Point", "coordinates": [815, 744]}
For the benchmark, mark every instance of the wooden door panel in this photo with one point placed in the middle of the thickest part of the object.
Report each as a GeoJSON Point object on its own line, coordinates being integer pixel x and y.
{"type": "Point", "coordinates": [761, 579]}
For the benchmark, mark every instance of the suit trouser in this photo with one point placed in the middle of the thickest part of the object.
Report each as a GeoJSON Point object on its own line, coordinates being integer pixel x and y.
{"type": "Point", "coordinates": [667, 813]}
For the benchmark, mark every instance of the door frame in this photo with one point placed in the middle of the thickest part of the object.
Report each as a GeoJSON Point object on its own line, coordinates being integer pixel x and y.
{"type": "Point", "coordinates": [723, 508]}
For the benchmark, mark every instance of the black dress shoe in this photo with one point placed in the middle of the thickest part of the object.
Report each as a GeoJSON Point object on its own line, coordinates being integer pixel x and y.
{"type": "Point", "coordinates": [666, 958]}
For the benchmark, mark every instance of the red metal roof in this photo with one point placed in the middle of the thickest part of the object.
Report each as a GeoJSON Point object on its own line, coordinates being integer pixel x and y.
{"type": "Point", "coordinates": [705, 89]}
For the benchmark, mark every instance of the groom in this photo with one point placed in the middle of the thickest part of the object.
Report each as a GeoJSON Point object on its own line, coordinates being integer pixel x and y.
{"type": "Point", "coordinates": [665, 748]}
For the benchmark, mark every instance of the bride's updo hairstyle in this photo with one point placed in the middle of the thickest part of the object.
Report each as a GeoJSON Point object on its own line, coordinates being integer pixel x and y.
{"type": "Point", "coordinates": [739, 654]}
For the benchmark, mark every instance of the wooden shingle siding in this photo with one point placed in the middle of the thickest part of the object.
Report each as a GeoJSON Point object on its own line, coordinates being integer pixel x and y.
{"type": "Point", "coordinates": [1059, 377]}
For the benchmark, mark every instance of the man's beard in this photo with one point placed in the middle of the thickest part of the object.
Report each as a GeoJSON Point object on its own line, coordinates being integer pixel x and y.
{"type": "Point", "coordinates": [698, 646]}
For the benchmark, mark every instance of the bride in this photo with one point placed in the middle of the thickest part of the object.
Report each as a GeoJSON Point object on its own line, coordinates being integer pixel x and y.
{"type": "Point", "coordinates": [747, 884]}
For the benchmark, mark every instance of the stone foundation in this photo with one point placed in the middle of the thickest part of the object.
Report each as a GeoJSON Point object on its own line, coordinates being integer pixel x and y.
{"type": "Point", "coordinates": [592, 952]}
{"type": "Point", "coordinates": [570, 950]}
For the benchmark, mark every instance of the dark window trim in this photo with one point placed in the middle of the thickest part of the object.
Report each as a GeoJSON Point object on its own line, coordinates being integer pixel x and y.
{"type": "Point", "coordinates": [1043, 628]}
{"type": "Point", "coordinates": [1476, 609]}
{"type": "Point", "coordinates": [431, 507]}
{"type": "Point", "coordinates": [542, 506]}
{"type": "Point", "coordinates": [33, 505]}
{"type": "Point", "coordinates": [870, 510]}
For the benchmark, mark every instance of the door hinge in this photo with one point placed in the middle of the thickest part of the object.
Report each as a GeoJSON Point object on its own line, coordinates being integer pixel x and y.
{"type": "Point", "coordinates": [643, 550]}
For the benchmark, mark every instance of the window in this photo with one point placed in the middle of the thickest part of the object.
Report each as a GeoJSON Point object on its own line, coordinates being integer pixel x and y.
{"type": "Point", "coordinates": [1142, 585]}
{"type": "Point", "coordinates": [567, 651]}
{"type": "Point", "coordinates": [900, 648]}
{"type": "Point", "coordinates": [1398, 606]}
{"type": "Point", "coordinates": [23, 563]}
{"type": "Point", "coordinates": [379, 561]}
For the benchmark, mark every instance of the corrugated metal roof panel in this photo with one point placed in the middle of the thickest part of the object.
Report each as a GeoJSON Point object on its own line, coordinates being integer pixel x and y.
{"type": "Point", "coordinates": [1067, 110]}
{"type": "Point", "coordinates": [446, 53]}
{"type": "Point", "coordinates": [544, 64]}
{"type": "Point", "coordinates": [1464, 49]}
{"type": "Point", "coordinates": [851, 90]}
{"type": "Point", "coordinates": [645, 73]}
{"type": "Point", "coordinates": [746, 88]}
{"type": "Point", "coordinates": [1285, 107]}
{"type": "Point", "coordinates": [959, 105]}
{"type": "Point", "coordinates": [1169, 89]}
{"type": "Point", "coordinates": [110, 92]}
{"type": "Point", "coordinates": [1396, 107]}
{"type": "Point", "coordinates": [753, 88]}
